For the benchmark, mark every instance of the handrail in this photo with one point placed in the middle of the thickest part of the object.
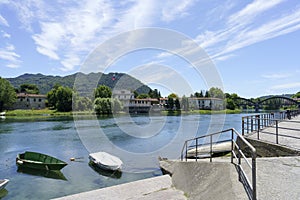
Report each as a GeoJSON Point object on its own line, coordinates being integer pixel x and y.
{"type": "Point", "coordinates": [256, 123]}
{"type": "Point", "coordinates": [236, 152]}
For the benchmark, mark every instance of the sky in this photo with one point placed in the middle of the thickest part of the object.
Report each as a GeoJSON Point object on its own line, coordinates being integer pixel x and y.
{"type": "Point", "coordinates": [252, 46]}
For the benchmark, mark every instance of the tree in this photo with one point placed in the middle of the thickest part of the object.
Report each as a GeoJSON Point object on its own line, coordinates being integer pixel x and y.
{"type": "Point", "coordinates": [173, 95]}
{"type": "Point", "coordinates": [116, 105]}
{"type": "Point", "coordinates": [102, 92]}
{"type": "Point", "coordinates": [297, 95]}
{"type": "Point", "coordinates": [216, 93]}
{"type": "Point", "coordinates": [7, 94]}
{"type": "Point", "coordinates": [60, 98]}
{"type": "Point", "coordinates": [170, 103]}
{"type": "Point", "coordinates": [185, 103]}
{"type": "Point", "coordinates": [177, 104]}
{"type": "Point", "coordinates": [143, 96]}
{"type": "Point", "coordinates": [207, 94]}
{"type": "Point", "coordinates": [154, 94]}
{"type": "Point", "coordinates": [231, 101]}
{"type": "Point", "coordinates": [81, 103]}
{"type": "Point", "coordinates": [64, 99]}
{"type": "Point", "coordinates": [29, 88]}
{"type": "Point", "coordinates": [102, 105]}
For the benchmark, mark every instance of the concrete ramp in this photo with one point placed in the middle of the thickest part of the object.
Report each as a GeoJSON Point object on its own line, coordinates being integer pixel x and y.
{"type": "Point", "coordinates": [204, 180]}
{"type": "Point", "coordinates": [152, 188]}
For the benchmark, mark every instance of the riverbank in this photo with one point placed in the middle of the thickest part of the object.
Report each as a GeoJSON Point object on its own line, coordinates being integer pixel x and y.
{"type": "Point", "coordinates": [48, 112]}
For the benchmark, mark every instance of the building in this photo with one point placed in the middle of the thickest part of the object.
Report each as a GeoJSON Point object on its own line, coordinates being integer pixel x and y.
{"type": "Point", "coordinates": [125, 96]}
{"type": "Point", "coordinates": [203, 103]}
{"type": "Point", "coordinates": [143, 105]}
{"type": "Point", "coordinates": [30, 101]}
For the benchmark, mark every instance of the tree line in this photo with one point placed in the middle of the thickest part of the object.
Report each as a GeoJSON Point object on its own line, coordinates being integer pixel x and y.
{"type": "Point", "coordinates": [65, 99]}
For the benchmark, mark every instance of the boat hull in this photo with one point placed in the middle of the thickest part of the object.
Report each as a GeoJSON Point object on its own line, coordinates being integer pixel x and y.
{"type": "Point", "coordinates": [3, 183]}
{"type": "Point", "coordinates": [39, 161]}
{"type": "Point", "coordinates": [105, 161]}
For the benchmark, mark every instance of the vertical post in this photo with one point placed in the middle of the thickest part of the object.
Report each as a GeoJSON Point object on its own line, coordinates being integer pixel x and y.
{"type": "Point", "coordinates": [243, 128]}
{"type": "Point", "coordinates": [196, 149]}
{"type": "Point", "coordinates": [258, 126]}
{"type": "Point", "coordinates": [276, 131]}
{"type": "Point", "coordinates": [210, 148]}
{"type": "Point", "coordinates": [185, 150]}
{"type": "Point", "coordinates": [254, 177]}
{"type": "Point", "coordinates": [232, 144]}
{"type": "Point", "coordinates": [247, 124]}
{"type": "Point", "coordinates": [251, 124]}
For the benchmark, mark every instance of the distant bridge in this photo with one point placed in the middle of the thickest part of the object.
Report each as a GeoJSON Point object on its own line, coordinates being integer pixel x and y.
{"type": "Point", "coordinates": [278, 100]}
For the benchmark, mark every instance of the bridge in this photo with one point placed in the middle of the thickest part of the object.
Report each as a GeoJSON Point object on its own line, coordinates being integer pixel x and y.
{"type": "Point", "coordinates": [275, 101]}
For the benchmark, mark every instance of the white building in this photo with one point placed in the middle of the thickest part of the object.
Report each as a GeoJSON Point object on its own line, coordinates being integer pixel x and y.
{"type": "Point", "coordinates": [203, 103]}
{"type": "Point", "coordinates": [123, 95]}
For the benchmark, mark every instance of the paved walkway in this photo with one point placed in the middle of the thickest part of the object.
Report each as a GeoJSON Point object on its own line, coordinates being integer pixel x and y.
{"type": "Point", "coordinates": [147, 189]}
{"type": "Point", "coordinates": [269, 134]}
{"type": "Point", "coordinates": [278, 178]}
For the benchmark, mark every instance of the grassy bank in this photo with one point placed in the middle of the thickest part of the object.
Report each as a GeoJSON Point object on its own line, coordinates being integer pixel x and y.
{"type": "Point", "coordinates": [47, 112]}
{"type": "Point", "coordinates": [43, 112]}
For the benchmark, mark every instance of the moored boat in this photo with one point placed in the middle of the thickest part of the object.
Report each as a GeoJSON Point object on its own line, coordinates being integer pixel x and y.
{"type": "Point", "coordinates": [3, 183]}
{"type": "Point", "coordinates": [106, 161]}
{"type": "Point", "coordinates": [39, 161]}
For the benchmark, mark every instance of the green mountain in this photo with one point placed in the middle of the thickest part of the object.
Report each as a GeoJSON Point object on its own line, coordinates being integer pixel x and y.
{"type": "Point", "coordinates": [84, 84]}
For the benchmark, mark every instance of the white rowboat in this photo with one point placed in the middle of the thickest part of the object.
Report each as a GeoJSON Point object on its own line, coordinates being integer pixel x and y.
{"type": "Point", "coordinates": [106, 161]}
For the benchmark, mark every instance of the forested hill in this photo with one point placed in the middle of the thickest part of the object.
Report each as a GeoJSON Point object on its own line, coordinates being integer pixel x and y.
{"type": "Point", "coordinates": [84, 82]}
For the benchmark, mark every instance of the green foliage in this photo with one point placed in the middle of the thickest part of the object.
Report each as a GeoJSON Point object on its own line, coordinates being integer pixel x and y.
{"type": "Point", "coordinates": [170, 103]}
{"type": "Point", "coordinates": [177, 104]}
{"type": "Point", "coordinates": [116, 105]}
{"type": "Point", "coordinates": [7, 94]}
{"type": "Point", "coordinates": [272, 104]}
{"type": "Point", "coordinates": [81, 103]}
{"type": "Point", "coordinates": [173, 95]}
{"type": "Point", "coordinates": [107, 106]}
{"type": "Point", "coordinates": [60, 98]}
{"type": "Point", "coordinates": [207, 94]}
{"type": "Point", "coordinates": [29, 88]}
{"type": "Point", "coordinates": [231, 101]}
{"type": "Point", "coordinates": [216, 93]}
{"type": "Point", "coordinates": [198, 95]}
{"type": "Point", "coordinates": [185, 103]}
{"type": "Point", "coordinates": [143, 96]}
{"type": "Point", "coordinates": [154, 94]}
{"type": "Point", "coordinates": [297, 95]}
{"type": "Point", "coordinates": [102, 91]}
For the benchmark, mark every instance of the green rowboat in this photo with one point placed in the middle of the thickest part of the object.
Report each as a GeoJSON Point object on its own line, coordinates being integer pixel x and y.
{"type": "Point", "coordinates": [39, 161]}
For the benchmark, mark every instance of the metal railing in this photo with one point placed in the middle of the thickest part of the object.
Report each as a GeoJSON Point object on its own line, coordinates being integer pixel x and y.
{"type": "Point", "coordinates": [236, 153]}
{"type": "Point", "coordinates": [256, 124]}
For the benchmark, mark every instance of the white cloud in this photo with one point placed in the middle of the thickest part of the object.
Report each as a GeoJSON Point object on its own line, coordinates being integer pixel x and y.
{"type": "Point", "coordinates": [174, 9]}
{"type": "Point", "coordinates": [5, 35]}
{"type": "Point", "coordinates": [245, 28]}
{"type": "Point", "coordinates": [251, 11]}
{"type": "Point", "coordinates": [11, 58]}
{"type": "Point", "coordinates": [286, 86]}
{"type": "Point", "coordinates": [276, 76]}
{"type": "Point", "coordinates": [3, 21]}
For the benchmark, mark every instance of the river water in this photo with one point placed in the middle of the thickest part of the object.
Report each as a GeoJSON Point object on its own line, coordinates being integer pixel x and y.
{"type": "Point", "coordinates": [137, 140]}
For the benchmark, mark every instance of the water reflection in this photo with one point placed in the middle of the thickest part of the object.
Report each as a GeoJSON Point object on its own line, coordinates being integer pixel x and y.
{"type": "Point", "coordinates": [112, 174]}
{"type": "Point", "coordinates": [3, 193]}
{"type": "Point", "coordinates": [54, 174]}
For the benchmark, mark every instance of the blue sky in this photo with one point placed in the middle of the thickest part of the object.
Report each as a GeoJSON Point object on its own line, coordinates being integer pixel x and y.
{"type": "Point", "coordinates": [254, 45]}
